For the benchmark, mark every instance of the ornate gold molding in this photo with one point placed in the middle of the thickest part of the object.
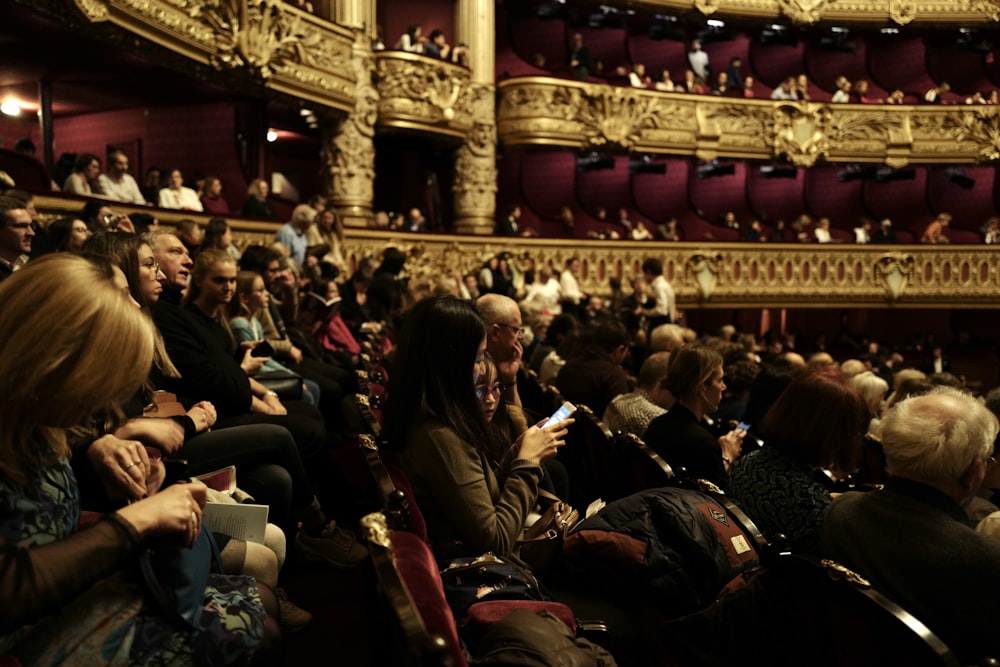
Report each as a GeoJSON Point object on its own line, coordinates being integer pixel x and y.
{"type": "Point", "coordinates": [475, 186]}
{"type": "Point", "coordinates": [807, 12]}
{"type": "Point", "coordinates": [421, 93]}
{"type": "Point", "coordinates": [270, 41]}
{"type": "Point", "coordinates": [538, 110]}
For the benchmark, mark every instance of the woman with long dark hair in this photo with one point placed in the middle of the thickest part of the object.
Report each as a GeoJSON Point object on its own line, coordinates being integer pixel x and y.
{"type": "Point", "coordinates": [434, 418]}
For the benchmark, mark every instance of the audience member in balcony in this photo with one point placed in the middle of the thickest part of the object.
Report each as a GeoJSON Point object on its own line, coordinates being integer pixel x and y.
{"type": "Point", "coordinates": [177, 195]}
{"type": "Point", "coordinates": [294, 234]}
{"type": "Point", "coordinates": [640, 232]}
{"type": "Point", "coordinates": [415, 221]}
{"type": "Point", "coordinates": [822, 231]}
{"type": "Point", "coordinates": [117, 183]}
{"type": "Point", "coordinates": [802, 87]}
{"type": "Point", "coordinates": [625, 222]}
{"type": "Point", "coordinates": [438, 47]}
{"type": "Point", "coordinates": [754, 233]}
{"type": "Point", "coordinates": [991, 232]}
{"type": "Point", "coordinates": [934, 95]}
{"type": "Point", "coordinates": [25, 146]}
{"type": "Point", "coordinates": [721, 86]}
{"type": "Point", "coordinates": [579, 59]}
{"type": "Point", "coordinates": [748, 91]}
{"type": "Point", "coordinates": [694, 83]}
{"type": "Point", "coordinates": [667, 230]}
{"type": "Point", "coordinates": [538, 60]}
{"type": "Point", "coordinates": [212, 200]}
{"type": "Point", "coordinates": [729, 220]}
{"type": "Point", "coordinates": [934, 234]}
{"type": "Point", "coordinates": [83, 179]}
{"type": "Point", "coordinates": [785, 91]}
{"type": "Point", "coordinates": [800, 227]}
{"type": "Point", "coordinates": [681, 436]}
{"type": "Point", "coordinates": [508, 226]}
{"type": "Point", "coordinates": [861, 92]}
{"type": "Point", "coordinates": [842, 95]}
{"type": "Point", "coordinates": [637, 77]}
{"type": "Point", "coordinates": [863, 232]}
{"type": "Point", "coordinates": [412, 40]}
{"type": "Point", "coordinates": [885, 233]}
{"type": "Point", "coordinates": [664, 84]}
{"type": "Point", "coordinates": [15, 235]}
{"type": "Point", "coordinates": [151, 183]}
{"type": "Point", "coordinates": [698, 60]}
{"type": "Point", "coordinates": [896, 97]}
{"type": "Point", "coordinates": [568, 222]}
{"type": "Point", "coordinates": [256, 204]}
{"type": "Point", "coordinates": [377, 43]}
{"type": "Point", "coordinates": [68, 234]}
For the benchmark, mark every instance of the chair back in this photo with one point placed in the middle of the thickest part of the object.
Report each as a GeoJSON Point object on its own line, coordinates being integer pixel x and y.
{"type": "Point", "coordinates": [395, 495]}
{"type": "Point", "coordinates": [588, 456]}
{"type": "Point", "coordinates": [421, 630]}
{"type": "Point", "coordinates": [537, 402]}
{"type": "Point", "coordinates": [635, 467]}
{"type": "Point", "coordinates": [372, 416]}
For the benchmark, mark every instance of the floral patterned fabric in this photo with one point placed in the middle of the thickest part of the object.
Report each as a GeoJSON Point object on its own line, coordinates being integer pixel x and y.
{"type": "Point", "coordinates": [112, 623]}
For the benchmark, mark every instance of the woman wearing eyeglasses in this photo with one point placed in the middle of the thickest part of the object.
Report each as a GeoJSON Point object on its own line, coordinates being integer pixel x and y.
{"type": "Point", "coordinates": [434, 418]}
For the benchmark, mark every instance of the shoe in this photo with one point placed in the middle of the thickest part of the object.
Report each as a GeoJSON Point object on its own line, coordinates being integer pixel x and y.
{"type": "Point", "coordinates": [336, 546]}
{"type": "Point", "coordinates": [293, 617]}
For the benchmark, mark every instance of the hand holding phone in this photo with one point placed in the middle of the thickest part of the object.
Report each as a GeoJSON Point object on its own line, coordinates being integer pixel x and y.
{"type": "Point", "coordinates": [562, 414]}
{"type": "Point", "coordinates": [262, 349]}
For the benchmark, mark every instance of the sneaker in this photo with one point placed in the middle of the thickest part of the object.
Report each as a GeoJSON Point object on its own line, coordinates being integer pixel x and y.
{"type": "Point", "coordinates": [336, 546]}
{"type": "Point", "coordinates": [293, 617]}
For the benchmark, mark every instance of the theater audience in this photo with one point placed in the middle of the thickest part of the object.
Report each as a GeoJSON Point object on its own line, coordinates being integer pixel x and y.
{"type": "Point", "coordinates": [632, 412]}
{"type": "Point", "coordinates": [256, 204]}
{"type": "Point", "coordinates": [177, 195]}
{"type": "Point", "coordinates": [326, 242]}
{"type": "Point", "coordinates": [294, 234]}
{"type": "Point", "coordinates": [212, 200]}
{"type": "Point", "coordinates": [117, 183]}
{"type": "Point", "coordinates": [593, 374]}
{"type": "Point", "coordinates": [219, 235]}
{"type": "Point", "coordinates": [937, 449]}
{"type": "Point", "coordinates": [16, 235]}
{"type": "Point", "coordinates": [934, 233]}
{"type": "Point", "coordinates": [83, 179]}
{"type": "Point", "coordinates": [68, 234]}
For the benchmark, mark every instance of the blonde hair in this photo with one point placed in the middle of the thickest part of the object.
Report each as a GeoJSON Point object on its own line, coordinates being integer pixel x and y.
{"type": "Point", "coordinates": [73, 377]}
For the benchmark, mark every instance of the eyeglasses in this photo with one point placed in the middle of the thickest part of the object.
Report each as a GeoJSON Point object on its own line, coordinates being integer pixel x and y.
{"type": "Point", "coordinates": [517, 330]}
{"type": "Point", "coordinates": [152, 265]}
{"type": "Point", "coordinates": [494, 391]}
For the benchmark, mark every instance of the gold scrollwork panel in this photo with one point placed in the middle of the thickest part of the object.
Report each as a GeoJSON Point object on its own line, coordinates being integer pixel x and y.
{"type": "Point", "coordinates": [543, 111]}
{"type": "Point", "coordinates": [807, 12]}
{"type": "Point", "coordinates": [416, 92]}
{"type": "Point", "coordinates": [289, 50]}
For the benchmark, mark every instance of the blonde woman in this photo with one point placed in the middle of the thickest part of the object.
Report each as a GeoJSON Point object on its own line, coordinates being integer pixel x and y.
{"type": "Point", "coordinates": [256, 204]}
{"type": "Point", "coordinates": [328, 233]}
{"type": "Point", "coordinates": [64, 596]}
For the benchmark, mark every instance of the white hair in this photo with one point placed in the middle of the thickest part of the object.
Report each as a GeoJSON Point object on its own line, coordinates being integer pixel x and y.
{"type": "Point", "coordinates": [872, 389]}
{"type": "Point", "coordinates": [935, 437]}
{"type": "Point", "coordinates": [666, 338]}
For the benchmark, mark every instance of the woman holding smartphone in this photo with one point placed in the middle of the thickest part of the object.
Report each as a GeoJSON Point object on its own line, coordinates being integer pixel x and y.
{"type": "Point", "coordinates": [434, 418]}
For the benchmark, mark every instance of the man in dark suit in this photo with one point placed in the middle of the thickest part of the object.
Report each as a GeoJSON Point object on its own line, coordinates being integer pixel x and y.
{"type": "Point", "coordinates": [937, 363]}
{"type": "Point", "coordinates": [912, 539]}
{"type": "Point", "coordinates": [579, 59]}
{"type": "Point", "coordinates": [508, 226]}
{"type": "Point", "coordinates": [884, 234]}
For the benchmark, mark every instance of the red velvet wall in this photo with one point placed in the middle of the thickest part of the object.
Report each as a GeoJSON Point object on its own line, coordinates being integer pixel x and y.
{"type": "Point", "coordinates": [12, 129]}
{"type": "Point", "coordinates": [395, 16]}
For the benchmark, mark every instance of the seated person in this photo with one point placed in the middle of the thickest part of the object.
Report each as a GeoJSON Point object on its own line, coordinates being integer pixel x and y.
{"type": "Point", "coordinates": [633, 412]}
{"type": "Point", "coordinates": [593, 374]}
{"type": "Point", "coordinates": [937, 447]}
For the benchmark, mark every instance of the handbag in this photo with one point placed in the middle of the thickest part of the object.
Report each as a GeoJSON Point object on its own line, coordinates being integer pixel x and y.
{"type": "Point", "coordinates": [287, 385]}
{"type": "Point", "coordinates": [176, 576]}
{"type": "Point", "coordinates": [473, 579]}
{"type": "Point", "coordinates": [543, 540]}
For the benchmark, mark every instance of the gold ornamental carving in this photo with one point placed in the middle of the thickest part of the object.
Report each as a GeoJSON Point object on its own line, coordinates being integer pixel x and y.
{"type": "Point", "coordinates": [554, 112]}
{"type": "Point", "coordinates": [475, 185]}
{"type": "Point", "coordinates": [902, 11]}
{"type": "Point", "coordinates": [350, 156]}
{"type": "Point", "coordinates": [422, 93]}
{"type": "Point", "coordinates": [800, 132]}
{"type": "Point", "coordinates": [802, 11]}
{"type": "Point", "coordinates": [704, 268]}
{"type": "Point", "coordinates": [894, 270]}
{"type": "Point", "coordinates": [990, 8]}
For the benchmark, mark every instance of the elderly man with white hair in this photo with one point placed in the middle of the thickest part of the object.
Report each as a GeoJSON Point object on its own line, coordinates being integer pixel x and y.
{"type": "Point", "coordinates": [912, 539]}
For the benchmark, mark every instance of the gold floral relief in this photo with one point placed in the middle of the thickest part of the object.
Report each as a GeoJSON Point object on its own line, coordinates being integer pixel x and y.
{"type": "Point", "coordinates": [415, 90]}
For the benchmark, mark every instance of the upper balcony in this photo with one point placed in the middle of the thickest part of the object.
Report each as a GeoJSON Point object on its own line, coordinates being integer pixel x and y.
{"type": "Point", "coordinates": [546, 111]}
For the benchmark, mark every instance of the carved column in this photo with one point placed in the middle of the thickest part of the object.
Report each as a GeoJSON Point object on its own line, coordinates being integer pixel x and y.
{"type": "Point", "coordinates": [475, 186]}
{"type": "Point", "coordinates": [349, 154]}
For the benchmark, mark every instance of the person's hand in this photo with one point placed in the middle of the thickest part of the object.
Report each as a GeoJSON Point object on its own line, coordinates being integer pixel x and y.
{"type": "Point", "coordinates": [311, 261]}
{"type": "Point", "coordinates": [295, 354]}
{"type": "Point", "coordinates": [164, 433]}
{"type": "Point", "coordinates": [732, 444]}
{"type": "Point", "coordinates": [203, 415]}
{"type": "Point", "coordinates": [250, 363]}
{"type": "Point", "coordinates": [538, 444]}
{"type": "Point", "coordinates": [176, 509]}
{"type": "Point", "coordinates": [274, 406]}
{"type": "Point", "coordinates": [121, 465]}
{"type": "Point", "coordinates": [126, 225]}
{"type": "Point", "coordinates": [156, 477]}
{"type": "Point", "coordinates": [507, 369]}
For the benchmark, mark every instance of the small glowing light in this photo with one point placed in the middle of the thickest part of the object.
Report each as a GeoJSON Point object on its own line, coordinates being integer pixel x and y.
{"type": "Point", "coordinates": [272, 136]}
{"type": "Point", "coordinates": [305, 112]}
{"type": "Point", "coordinates": [10, 108]}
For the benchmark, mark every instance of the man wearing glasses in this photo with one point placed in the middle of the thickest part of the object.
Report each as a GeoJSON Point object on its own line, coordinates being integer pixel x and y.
{"type": "Point", "coordinates": [15, 235]}
{"type": "Point", "coordinates": [504, 340]}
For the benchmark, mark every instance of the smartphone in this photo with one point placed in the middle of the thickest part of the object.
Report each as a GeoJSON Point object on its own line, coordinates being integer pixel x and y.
{"type": "Point", "coordinates": [562, 414]}
{"type": "Point", "coordinates": [263, 349]}
{"type": "Point", "coordinates": [743, 426]}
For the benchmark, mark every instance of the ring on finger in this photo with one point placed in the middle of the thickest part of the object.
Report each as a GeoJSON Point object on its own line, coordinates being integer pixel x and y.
{"type": "Point", "coordinates": [130, 465]}
{"type": "Point", "coordinates": [194, 518]}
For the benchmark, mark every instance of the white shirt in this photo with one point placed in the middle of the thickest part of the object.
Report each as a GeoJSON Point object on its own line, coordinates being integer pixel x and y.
{"type": "Point", "coordinates": [841, 96]}
{"type": "Point", "coordinates": [570, 287]}
{"type": "Point", "coordinates": [635, 81]}
{"type": "Point", "coordinates": [665, 86]}
{"type": "Point", "coordinates": [541, 297]}
{"type": "Point", "coordinates": [186, 199]}
{"type": "Point", "coordinates": [699, 63]}
{"type": "Point", "coordinates": [822, 235]}
{"type": "Point", "coordinates": [664, 295]}
{"type": "Point", "coordinates": [861, 235]}
{"type": "Point", "coordinates": [124, 189]}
